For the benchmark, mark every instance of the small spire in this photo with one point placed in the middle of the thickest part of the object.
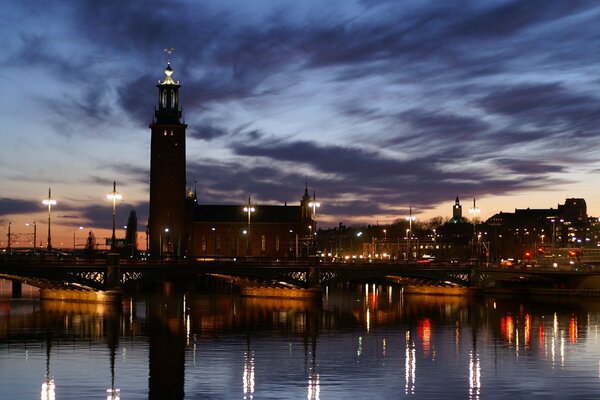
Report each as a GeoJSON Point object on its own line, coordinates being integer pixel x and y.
{"type": "Point", "coordinates": [306, 195]}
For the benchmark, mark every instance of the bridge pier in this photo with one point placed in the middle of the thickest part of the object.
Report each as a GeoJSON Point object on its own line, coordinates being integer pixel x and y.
{"type": "Point", "coordinates": [17, 289]}
{"type": "Point", "coordinates": [475, 277]}
{"type": "Point", "coordinates": [313, 278]}
{"type": "Point", "coordinates": [112, 280]}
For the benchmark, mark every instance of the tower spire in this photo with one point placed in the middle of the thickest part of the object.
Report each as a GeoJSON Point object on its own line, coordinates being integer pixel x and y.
{"type": "Point", "coordinates": [168, 111]}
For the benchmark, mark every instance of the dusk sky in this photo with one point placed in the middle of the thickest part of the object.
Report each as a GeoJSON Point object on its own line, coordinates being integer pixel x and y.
{"type": "Point", "coordinates": [383, 105]}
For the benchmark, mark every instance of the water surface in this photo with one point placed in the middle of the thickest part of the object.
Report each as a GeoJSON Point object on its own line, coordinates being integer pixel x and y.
{"type": "Point", "coordinates": [363, 341]}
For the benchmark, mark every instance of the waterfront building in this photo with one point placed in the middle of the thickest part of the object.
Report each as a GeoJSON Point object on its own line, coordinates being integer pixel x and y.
{"type": "Point", "coordinates": [530, 233]}
{"type": "Point", "coordinates": [178, 225]}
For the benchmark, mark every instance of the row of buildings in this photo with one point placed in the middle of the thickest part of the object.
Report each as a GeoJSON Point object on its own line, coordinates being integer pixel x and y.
{"type": "Point", "coordinates": [180, 226]}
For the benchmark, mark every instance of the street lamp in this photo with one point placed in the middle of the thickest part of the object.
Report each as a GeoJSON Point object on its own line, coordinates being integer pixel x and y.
{"type": "Point", "coordinates": [160, 247]}
{"type": "Point", "coordinates": [475, 212]}
{"type": "Point", "coordinates": [314, 205]}
{"type": "Point", "coordinates": [49, 202]}
{"type": "Point", "coordinates": [249, 209]}
{"type": "Point", "coordinates": [74, 231]}
{"type": "Point", "coordinates": [114, 196]}
{"type": "Point", "coordinates": [410, 220]}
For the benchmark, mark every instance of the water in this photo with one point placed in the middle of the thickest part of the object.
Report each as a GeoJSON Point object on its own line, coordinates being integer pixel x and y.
{"type": "Point", "coordinates": [364, 341]}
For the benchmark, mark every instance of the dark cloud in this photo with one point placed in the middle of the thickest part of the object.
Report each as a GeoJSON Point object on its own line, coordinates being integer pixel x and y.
{"type": "Point", "coordinates": [549, 105]}
{"type": "Point", "coordinates": [18, 206]}
{"type": "Point", "coordinates": [206, 131]}
{"type": "Point", "coordinates": [357, 174]}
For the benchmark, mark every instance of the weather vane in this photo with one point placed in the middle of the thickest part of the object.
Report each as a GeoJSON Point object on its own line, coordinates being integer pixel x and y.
{"type": "Point", "coordinates": [168, 52]}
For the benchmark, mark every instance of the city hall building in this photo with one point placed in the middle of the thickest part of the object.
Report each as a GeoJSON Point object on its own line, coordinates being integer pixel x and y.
{"type": "Point", "coordinates": [180, 226]}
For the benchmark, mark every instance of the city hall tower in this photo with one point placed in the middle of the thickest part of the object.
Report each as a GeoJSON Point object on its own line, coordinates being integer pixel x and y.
{"type": "Point", "coordinates": [167, 219]}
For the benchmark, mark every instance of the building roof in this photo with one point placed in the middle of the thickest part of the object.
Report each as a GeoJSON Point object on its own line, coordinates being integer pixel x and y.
{"type": "Point", "coordinates": [236, 214]}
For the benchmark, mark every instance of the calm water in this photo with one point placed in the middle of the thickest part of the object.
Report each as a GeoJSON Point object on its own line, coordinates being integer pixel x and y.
{"type": "Point", "coordinates": [365, 341]}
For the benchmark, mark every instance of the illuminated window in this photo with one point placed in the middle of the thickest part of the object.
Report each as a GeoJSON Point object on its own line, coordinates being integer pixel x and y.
{"type": "Point", "coordinates": [263, 243]}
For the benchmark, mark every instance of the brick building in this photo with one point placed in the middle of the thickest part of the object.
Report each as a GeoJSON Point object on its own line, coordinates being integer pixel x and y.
{"type": "Point", "coordinates": [178, 226]}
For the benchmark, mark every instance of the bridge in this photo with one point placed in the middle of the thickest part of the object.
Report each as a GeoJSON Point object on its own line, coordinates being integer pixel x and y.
{"type": "Point", "coordinates": [108, 274]}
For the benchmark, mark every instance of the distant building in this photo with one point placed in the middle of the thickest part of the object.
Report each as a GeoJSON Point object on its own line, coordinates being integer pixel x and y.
{"type": "Point", "coordinates": [528, 229]}
{"type": "Point", "coordinates": [457, 213]}
{"type": "Point", "coordinates": [179, 226]}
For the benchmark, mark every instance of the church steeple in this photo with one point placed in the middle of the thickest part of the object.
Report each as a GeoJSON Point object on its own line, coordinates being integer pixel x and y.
{"type": "Point", "coordinates": [168, 111]}
{"type": "Point", "coordinates": [304, 202]}
{"type": "Point", "coordinates": [457, 211]}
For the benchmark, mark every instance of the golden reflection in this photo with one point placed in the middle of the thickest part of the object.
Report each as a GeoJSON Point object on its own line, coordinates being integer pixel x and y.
{"type": "Point", "coordinates": [410, 365]}
{"type": "Point", "coordinates": [457, 337]}
{"type": "Point", "coordinates": [527, 330]}
{"type": "Point", "coordinates": [78, 308]}
{"type": "Point", "coordinates": [368, 320]}
{"type": "Point", "coordinates": [474, 376]}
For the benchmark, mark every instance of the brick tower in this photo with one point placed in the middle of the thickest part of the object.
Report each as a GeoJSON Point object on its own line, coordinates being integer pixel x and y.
{"type": "Point", "coordinates": [167, 219]}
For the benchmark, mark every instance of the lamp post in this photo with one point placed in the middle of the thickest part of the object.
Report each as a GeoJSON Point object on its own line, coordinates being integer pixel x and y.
{"type": "Point", "coordinates": [410, 220]}
{"type": "Point", "coordinates": [314, 205]}
{"type": "Point", "coordinates": [160, 247]}
{"type": "Point", "coordinates": [249, 209]}
{"type": "Point", "coordinates": [49, 202]}
{"type": "Point", "coordinates": [114, 196]}
{"type": "Point", "coordinates": [475, 212]}
{"type": "Point", "coordinates": [74, 240]}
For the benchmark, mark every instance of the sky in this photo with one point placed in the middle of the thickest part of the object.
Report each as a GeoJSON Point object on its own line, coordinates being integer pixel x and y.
{"type": "Point", "coordinates": [379, 105]}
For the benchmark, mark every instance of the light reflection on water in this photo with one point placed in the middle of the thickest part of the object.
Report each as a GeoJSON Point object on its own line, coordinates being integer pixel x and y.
{"type": "Point", "coordinates": [363, 341]}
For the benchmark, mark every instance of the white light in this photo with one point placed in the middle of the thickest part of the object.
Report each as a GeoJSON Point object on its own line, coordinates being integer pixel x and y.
{"type": "Point", "coordinates": [49, 202]}
{"type": "Point", "coordinates": [48, 389]}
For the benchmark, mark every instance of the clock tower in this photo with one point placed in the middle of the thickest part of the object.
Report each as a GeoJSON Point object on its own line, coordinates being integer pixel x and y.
{"type": "Point", "coordinates": [167, 219]}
